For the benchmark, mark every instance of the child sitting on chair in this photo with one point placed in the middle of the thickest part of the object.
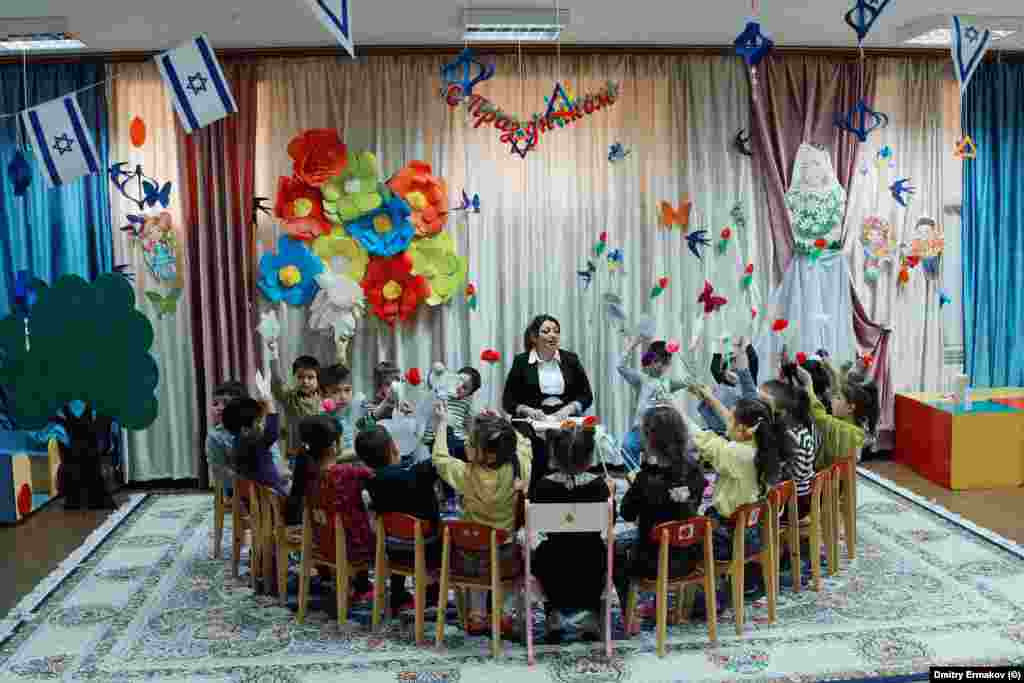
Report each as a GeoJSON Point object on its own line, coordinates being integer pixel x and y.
{"type": "Point", "coordinates": [492, 483]}
{"type": "Point", "coordinates": [336, 390]}
{"type": "Point", "coordinates": [653, 386]}
{"type": "Point", "coordinates": [736, 378]}
{"type": "Point", "coordinates": [572, 567]}
{"type": "Point", "coordinates": [298, 401]}
{"type": "Point", "coordinates": [254, 426]}
{"type": "Point", "coordinates": [219, 441]}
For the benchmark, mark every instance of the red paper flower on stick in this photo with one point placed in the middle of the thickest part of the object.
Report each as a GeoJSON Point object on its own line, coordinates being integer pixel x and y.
{"type": "Point", "coordinates": [590, 421]}
{"type": "Point", "coordinates": [779, 325]}
{"type": "Point", "coordinates": [391, 289]}
{"type": "Point", "coordinates": [413, 377]}
{"type": "Point", "coordinates": [801, 358]}
{"type": "Point", "coordinates": [318, 155]}
{"type": "Point", "coordinates": [490, 356]}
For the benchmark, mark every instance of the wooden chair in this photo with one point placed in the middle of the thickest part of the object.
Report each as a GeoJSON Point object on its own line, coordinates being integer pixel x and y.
{"type": "Point", "coordinates": [472, 537]}
{"type": "Point", "coordinates": [246, 517]}
{"type": "Point", "coordinates": [844, 494]}
{"type": "Point", "coordinates": [406, 528]}
{"type": "Point", "coordinates": [314, 516]}
{"type": "Point", "coordinates": [282, 540]}
{"type": "Point", "coordinates": [223, 506]}
{"type": "Point", "coordinates": [53, 464]}
{"type": "Point", "coordinates": [783, 499]}
{"type": "Point", "coordinates": [750, 516]}
{"type": "Point", "coordinates": [676, 536]}
{"type": "Point", "coordinates": [571, 518]}
{"type": "Point", "coordinates": [816, 527]}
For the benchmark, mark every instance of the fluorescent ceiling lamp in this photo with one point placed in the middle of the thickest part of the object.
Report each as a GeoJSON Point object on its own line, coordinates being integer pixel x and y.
{"type": "Point", "coordinates": [514, 25]}
{"type": "Point", "coordinates": [944, 36]}
{"type": "Point", "coordinates": [42, 42]}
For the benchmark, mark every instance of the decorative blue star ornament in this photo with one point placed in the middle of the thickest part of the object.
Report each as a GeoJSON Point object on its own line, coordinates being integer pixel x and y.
{"type": "Point", "coordinates": [900, 188]}
{"type": "Point", "coordinates": [459, 77]}
{"type": "Point", "coordinates": [863, 15]}
{"type": "Point", "coordinates": [20, 173]}
{"type": "Point", "coordinates": [751, 44]}
{"type": "Point", "coordinates": [861, 121]}
{"type": "Point", "coordinates": [969, 47]}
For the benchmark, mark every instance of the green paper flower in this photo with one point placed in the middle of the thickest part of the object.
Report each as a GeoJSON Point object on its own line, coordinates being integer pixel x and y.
{"type": "Point", "coordinates": [355, 192]}
{"type": "Point", "coordinates": [435, 259]}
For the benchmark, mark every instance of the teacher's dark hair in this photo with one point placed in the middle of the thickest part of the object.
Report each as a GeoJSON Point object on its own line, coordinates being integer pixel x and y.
{"type": "Point", "coordinates": [533, 330]}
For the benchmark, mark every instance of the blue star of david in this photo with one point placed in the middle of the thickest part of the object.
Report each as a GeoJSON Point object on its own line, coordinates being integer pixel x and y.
{"type": "Point", "coordinates": [63, 144]}
{"type": "Point", "coordinates": [971, 34]}
{"type": "Point", "coordinates": [197, 83]}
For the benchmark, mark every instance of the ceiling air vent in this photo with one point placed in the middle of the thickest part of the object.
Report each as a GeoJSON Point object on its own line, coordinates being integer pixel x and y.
{"type": "Point", "coordinates": [514, 25]}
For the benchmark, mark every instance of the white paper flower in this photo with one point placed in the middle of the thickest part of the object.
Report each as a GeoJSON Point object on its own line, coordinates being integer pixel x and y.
{"type": "Point", "coordinates": [269, 329]}
{"type": "Point", "coordinates": [338, 306]}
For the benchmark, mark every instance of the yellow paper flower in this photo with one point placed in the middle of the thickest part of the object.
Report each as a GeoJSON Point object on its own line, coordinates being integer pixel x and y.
{"type": "Point", "coordinates": [435, 259]}
{"type": "Point", "coordinates": [338, 243]}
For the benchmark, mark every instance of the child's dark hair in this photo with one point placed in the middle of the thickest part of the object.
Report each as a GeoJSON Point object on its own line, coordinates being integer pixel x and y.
{"type": "Point", "coordinates": [385, 373]}
{"type": "Point", "coordinates": [571, 450]}
{"type": "Point", "coordinates": [334, 376]}
{"type": "Point", "coordinates": [474, 377]}
{"type": "Point", "coordinates": [821, 380]}
{"type": "Point", "coordinates": [494, 440]}
{"type": "Point", "coordinates": [865, 402]}
{"type": "Point", "coordinates": [720, 364]}
{"type": "Point", "coordinates": [306, 363]}
{"type": "Point", "coordinates": [768, 435]}
{"type": "Point", "coordinates": [230, 390]}
{"type": "Point", "coordinates": [791, 401]}
{"type": "Point", "coordinates": [667, 438]}
{"type": "Point", "coordinates": [373, 446]}
{"type": "Point", "coordinates": [241, 413]}
{"type": "Point", "coordinates": [656, 353]}
{"type": "Point", "coordinates": [318, 433]}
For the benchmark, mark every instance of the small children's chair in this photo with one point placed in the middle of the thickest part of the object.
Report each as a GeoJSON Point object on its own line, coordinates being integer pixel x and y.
{"type": "Point", "coordinates": [746, 517]}
{"type": "Point", "coordinates": [315, 516]}
{"type": "Point", "coordinates": [246, 517]}
{"type": "Point", "coordinates": [282, 539]}
{"type": "Point", "coordinates": [783, 498]}
{"type": "Point", "coordinates": [816, 527]}
{"type": "Point", "coordinates": [223, 506]}
{"type": "Point", "coordinates": [570, 518]}
{"type": "Point", "coordinates": [476, 538]}
{"type": "Point", "coordinates": [406, 528]}
{"type": "Point", "coordinates": [673, 537]}
{"type": "Point", "coordinates": [844, 494]}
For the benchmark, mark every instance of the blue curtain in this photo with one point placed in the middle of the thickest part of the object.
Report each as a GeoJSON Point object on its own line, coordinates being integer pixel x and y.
{"type": "Point", "coordinates": [64, 230]}
{"type": "Point", "coordinates": [993, 227]}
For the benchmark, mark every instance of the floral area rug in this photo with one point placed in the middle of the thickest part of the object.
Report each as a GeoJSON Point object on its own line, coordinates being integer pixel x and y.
{"type": "Point", "coordinates": [149, 604]}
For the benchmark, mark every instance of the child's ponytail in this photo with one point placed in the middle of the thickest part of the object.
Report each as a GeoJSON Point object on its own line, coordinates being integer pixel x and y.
{"type": "Point", "coordinates": [769, 433]}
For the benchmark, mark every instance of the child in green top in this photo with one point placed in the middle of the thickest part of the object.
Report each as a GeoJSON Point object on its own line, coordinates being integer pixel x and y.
{"type": "Point", "coordinates": [298, 401]}
{"type": "Point", "coordinates": [853, 405]}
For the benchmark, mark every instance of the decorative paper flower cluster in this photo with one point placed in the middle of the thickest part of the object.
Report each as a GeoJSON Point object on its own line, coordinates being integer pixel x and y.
{"type": "Point", "coordinates": [343, 222]}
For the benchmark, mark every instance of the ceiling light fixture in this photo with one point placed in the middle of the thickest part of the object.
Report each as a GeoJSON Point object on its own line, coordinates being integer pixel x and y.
{"type": "Point", "coordinates": [37, 34]}
{"type": "Point", "coordinates": [944, 36]}
{"type": "Point", "coordinates": [935, 31]}
{"type": "Point", "coordinates": [513, 25]}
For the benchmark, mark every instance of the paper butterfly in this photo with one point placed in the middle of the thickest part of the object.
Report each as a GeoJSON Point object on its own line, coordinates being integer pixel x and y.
{"type": "Point", "coordinates": [166, 304]}
{"type": "Point", "coordinates": [712, 302]}
{"type": "Point", "coordinates": [153, 194]}
{"type": "Point", "coordinates": [671, 216]}
{"type": "Point", "coordinates": [468, 204]}
{"type": "Point", "coordinates": [617, 152]}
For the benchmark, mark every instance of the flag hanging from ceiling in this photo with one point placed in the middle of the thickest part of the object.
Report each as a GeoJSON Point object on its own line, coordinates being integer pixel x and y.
{"type": "Point", "coordinates": [334, 15]}
{"type": "Point", "coordinates": [969, 45]}
{"type": "Point", "coordinates": [196, 84]}
{"type": "Point", "coordinates": [61, 140]}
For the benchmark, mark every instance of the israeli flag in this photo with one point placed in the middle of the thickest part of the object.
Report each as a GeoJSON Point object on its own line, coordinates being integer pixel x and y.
{"type": "Point", "coordinates": [333, 14]}
{"type": "Point", "coordinates": [61, 140]}
{"type": "Point", "coordinates": [969, 47]}
{"type": "Point", "coordinates": [196, 84]}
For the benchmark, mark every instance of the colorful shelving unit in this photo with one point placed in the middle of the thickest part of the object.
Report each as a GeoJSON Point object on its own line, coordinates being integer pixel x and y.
{"type": "Point", "coordinates": [28, 476]}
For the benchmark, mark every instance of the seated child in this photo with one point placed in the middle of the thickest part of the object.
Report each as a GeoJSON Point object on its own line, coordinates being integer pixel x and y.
{"type": "Point", "coordinates": [801, 437]}
{"type": "Point", "coordinates": [668, 488]}
{"type": "Point", "coordinates": [396, 488]}
{"type": "Point", "coordinates": [336, 390]}
{"type": "Point", "coordinates": [491, 483]}
{"type": "Point", "coordinates": [653, 386]}
{"type": "Point", "coordinates": [219, 441]}
{"type": "Point", "coordinates": [384, 402]}
{"type": "Point", "coordinates": [459, 409]}
{"type": "Point", "coordinates": [298, 401]}
{"type": "Point", "coordinates": [572, 567]}
{"type": "Point", "coordinates": [736, 377]}
{"type": "Point", "coordinates": [254, 426]}
{"type": "Point", "coordinates": [843, 435]}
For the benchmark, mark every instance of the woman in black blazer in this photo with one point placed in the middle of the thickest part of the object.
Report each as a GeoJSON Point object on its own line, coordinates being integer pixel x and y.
{"type": "Point", "coordinates": [545, 381]}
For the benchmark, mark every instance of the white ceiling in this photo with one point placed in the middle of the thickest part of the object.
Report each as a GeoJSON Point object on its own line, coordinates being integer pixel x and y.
{"type": "Point", "coordinates": [113, 25]}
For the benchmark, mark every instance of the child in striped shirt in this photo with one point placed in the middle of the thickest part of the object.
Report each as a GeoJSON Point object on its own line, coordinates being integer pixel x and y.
{"type": "Point", "coordinates": [460, 407]}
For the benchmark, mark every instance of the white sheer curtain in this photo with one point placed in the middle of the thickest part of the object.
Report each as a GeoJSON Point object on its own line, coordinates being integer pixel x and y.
{"type": "Point", "coordinates": [541, 216]}
{"type": "Point", "coordinates": [911, 92]}
{"type": "Point", "coordinates": [167, 449]}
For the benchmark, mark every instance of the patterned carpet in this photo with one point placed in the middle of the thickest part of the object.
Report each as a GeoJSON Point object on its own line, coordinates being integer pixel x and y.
{"type": "Point", "coordinates": [143, 601]}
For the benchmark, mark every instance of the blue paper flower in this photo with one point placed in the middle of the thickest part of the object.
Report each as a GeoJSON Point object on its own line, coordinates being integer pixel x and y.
{"type": "Point", "coordinates": [385, 231]}
{"type": "Point", "coordinates": [290, 274]}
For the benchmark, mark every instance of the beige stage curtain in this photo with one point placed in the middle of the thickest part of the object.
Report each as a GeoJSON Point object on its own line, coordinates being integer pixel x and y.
{"type": "Point", "coordinates": [911, 92]}
{"type": "Point", "coordinates": [169, 447]}
{"type": "Point", "coordinates": [541, 216]}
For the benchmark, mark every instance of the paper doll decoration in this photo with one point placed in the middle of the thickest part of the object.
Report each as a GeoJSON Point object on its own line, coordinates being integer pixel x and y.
{"type": "Point", "coordinates": [965, 148]}
{"type": "Point", "coordinates": [741, 143]}
{"type": "Point", "coordinates": [159, 243]}
{"type": "Point", "coordinates": [877, 240]}
{"type": "Point", "coordinates": [863, 16]}
{"type": "Point", "coordinates": [900, 190]}
{"type": "Point", "coordinates": [617, 152]}
{"type": "Point", "coordinates": [861, 121]}
{"type": "Point", "coordinates": [711, 301]}
{"type": "Point", "coordinates": [969, 47]}
{"type": "Point", "coordinates": [459, 76]}
{"type": "Point", "coordinates": [927, 245]}
{"type": "Point", "coordinates": [269, 330]}
{"type": "Point", "coordinates": [816, 202]}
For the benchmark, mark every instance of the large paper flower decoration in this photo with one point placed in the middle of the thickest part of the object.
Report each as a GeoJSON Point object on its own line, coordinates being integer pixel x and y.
{"type": "Point", "coordinates": [435, 259]}
{"type": "Point", "coordinates": [338, 306]}
{"type": "Point", "coordinates": [392, 290]}
{"type": "Point", "coordinates": [290, 274]}
{"type": "Point", "coordinates": [300, 209]}
{"type": "Point", "coordinates": [318, 155]}
{"type": "Point", "coordinates": [355, 192]}
{"type": "Point", "coordinates": [385, 231]}
{"type": "Point", "coordinates": [426, 194]}
{"type": "Point", "coordinates": [338, 244]}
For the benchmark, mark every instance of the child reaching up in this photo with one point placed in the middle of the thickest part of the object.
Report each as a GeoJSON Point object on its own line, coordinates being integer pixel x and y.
{"type": "Point", "coordinates": [802, 439]}
{"type": "Point", "coordinates": [736, 376]}
{"type": "Point", "coordinates": [491, 483]}
{"type": "Point", "coordinates": [219, 441]}
{"type": "Point", "coordinates": [654, 386]}
{"type": "Point", "coordinates": [668, 488]}
{"type": "Point", "coordinates": [254, 426]}
{"type": "Point", "coordinates": [460, 407]}
{"type": "Point", "coordinates": [300, 400]}
{"type": "Point", "coordinates": [842, 436]}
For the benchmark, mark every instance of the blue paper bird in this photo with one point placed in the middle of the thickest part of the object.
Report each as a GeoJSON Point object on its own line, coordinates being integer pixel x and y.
{"type": "Point", "coordinates": [751, 44]}
{"type": "Point", "coordinates": [617, 152]}
{"type": "Point", "coordinates": [20, 173]}
{"type": "Point", "coordinates": [943, 299]}
{"type": "Point", "coordinates": [862, 120]}
{"type": "Point", "coordinates": [742, 143]}
{"type": "Point", "coordinates": [863, 15]}
{"type": "Point", "coordinates": [696, 239]}
{"type": "Point", "coordinates": [899, 188]}
{"type": "Point", "coordinates": [459, 79]}
{"type": "Point", "coordinates": [587, 276]}
{"type": "Point", "coordinates": [154, 194]}
{"type": "Point", "coordinates": [124, 270]}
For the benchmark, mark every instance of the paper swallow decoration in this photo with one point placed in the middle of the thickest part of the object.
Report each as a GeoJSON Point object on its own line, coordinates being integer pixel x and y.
{"type": "Point", "coordinates": [20, 173]}
{"type": "Point", "coordinates": [965, 149]}
{"type": "Point", "coordinates": [587, 276]}
{"type": "Point", "coordinates": [742, 143]}
{"type": "Point", "coordinates": [751, 44]}
{"type": "Point", "coordinates": [696, 239]}
{"type": "Point", "coordinates": [617, 152]}
{"type": "Point", "coordinates": [124, 270]}
{"type": "Point", "coordinates": [969, 47]}
{"type": "Point", "coordinates": [863, 15]}
{"type": "Point", "coordinates": [459, 77]}
{"type": "Point", "coordinates": [671, 216]}
{"type": "Point", "coordinates": [712, 302]}
{"type": "Point", "coordinates": [861, 121]}
{"type": "Point", "coordinates": [943, 299]}
{"type": "Point", "coordinates": [900, 188]}
{"type": "Point", "coordinates": [166, 304]}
